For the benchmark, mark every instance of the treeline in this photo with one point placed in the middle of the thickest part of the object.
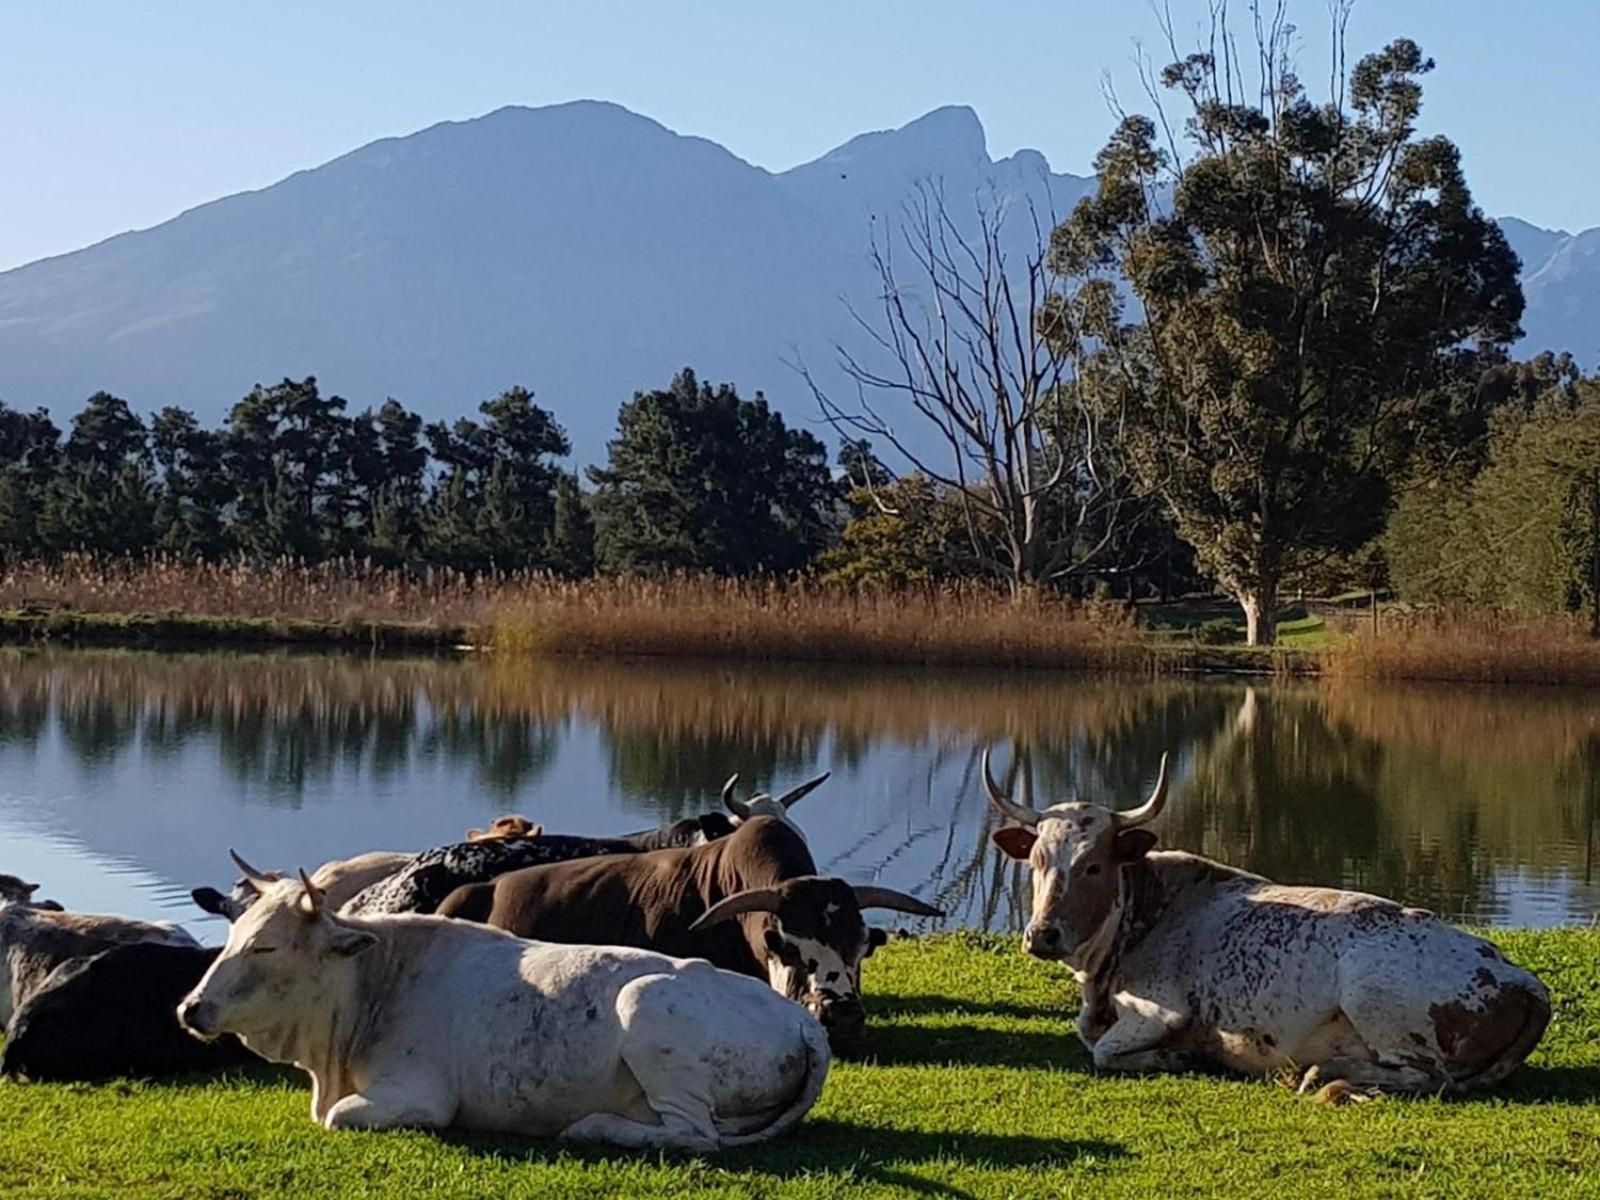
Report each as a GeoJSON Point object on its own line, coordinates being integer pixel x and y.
{"type": "Point", "coordinates": [1515, 523]}
{"type": "Point", "coordinates": [698, 478]}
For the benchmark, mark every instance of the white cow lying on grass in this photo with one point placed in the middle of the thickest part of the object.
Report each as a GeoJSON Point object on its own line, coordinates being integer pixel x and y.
{"type": "Point", "coordinates": [420, 1020]}
{"type": "Point", "coordinates": [1185, 962]}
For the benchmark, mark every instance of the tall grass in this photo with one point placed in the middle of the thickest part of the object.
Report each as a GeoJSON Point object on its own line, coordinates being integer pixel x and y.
{"type": "Point", "coordinates": [1470, 648]}
{"type": "Point", "coordinates": [700, 616]}
{"type": "Point", "coordinates": [686, 616]}
{"type": "Point", "coordinates": [334, 591]}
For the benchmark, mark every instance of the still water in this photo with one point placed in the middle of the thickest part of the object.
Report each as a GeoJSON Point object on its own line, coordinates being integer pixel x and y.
{"type": "Point", "coordinates": [124, 777]}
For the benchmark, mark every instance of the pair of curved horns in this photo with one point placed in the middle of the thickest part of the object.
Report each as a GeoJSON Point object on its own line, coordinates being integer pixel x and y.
{"type": "Point", "coordinates": [1023, 815]}
{"type": "Point", "coordinates": [741, 808]}
{"type": "Point", "coordinates": [769, 900]}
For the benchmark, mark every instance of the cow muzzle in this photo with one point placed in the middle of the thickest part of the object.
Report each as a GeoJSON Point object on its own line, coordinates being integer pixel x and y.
{"type": "Point", "coordinates": [199, 1017]}
{"type": "Point", "coordinates": [841, 1016]}
{"type": "Point", "coordinates": [1044, 939]}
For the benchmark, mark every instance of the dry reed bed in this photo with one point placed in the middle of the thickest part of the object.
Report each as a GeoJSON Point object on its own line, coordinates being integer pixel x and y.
{"type": "Point", "coordinates": [1470, 648]}
{"type": "Point", "coordinates": [284, 590]}
{"type": "Point", "coordinates": [964, 624]}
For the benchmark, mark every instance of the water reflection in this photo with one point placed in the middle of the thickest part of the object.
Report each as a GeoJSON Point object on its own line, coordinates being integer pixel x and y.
{"type": "Point", "coordinates": [124, 775]}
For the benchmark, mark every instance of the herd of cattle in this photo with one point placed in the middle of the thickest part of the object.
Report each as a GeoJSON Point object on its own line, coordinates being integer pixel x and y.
{"type": "Point", "coordinates": [681, 987]}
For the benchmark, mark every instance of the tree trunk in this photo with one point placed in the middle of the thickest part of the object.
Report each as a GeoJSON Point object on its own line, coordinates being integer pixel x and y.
{"type": "Point", "coordinates": [1260, 615]}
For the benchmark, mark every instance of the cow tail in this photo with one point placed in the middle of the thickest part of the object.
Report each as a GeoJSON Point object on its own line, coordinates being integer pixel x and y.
{"type": "Point", "coordinates": [818, 1057]}
{"type": "Point", "coordinates": [1536, 1016]}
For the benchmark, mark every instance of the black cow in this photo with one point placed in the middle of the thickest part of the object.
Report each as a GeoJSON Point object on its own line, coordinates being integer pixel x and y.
{"type": "Point", "coordinates": [751, 902]}
{"type": "Point", "coordinates": [115, 1015]}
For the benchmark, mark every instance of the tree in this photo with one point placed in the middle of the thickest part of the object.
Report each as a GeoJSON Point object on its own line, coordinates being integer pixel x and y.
{"type": "Point", "coordinates": [287, 450]}
{"type": "Point", "coordinates": [195, 492]}
{"type": "Point", "coordinates": [102, 498]}
{"type": "Point", "coordinates": [494, 504]}
{"type": "Point", "coordinates": [569, 548]}
{"type": "Point", "coordinates": [1310, 276]}
{"type": "Point", "coordinates": [700, 479]}
{"type": "Point", "coordinates": [965, 352]}
{"type": "Point", "coordinates": [30, 447]}
{"type": "Point", "coordinates": [1523, 534]}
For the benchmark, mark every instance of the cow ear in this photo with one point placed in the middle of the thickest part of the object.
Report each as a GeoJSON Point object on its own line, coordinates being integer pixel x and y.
{"type": "Point", "coordinates": [347, 943]}
{"type": "Point", "coordinates": [1134, 844]}
{"type": "Point", "coordinates": [875, 938]}
{"type": "Point", "coordinates": [1016, 841]}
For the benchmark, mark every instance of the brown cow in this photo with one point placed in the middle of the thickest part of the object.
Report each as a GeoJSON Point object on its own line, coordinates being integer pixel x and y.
{"type": "Point", "coordinates": [751, 902]}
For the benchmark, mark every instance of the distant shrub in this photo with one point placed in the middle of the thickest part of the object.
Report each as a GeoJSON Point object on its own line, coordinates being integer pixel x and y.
{"type": "Point", "coordinates": [1219, 631]}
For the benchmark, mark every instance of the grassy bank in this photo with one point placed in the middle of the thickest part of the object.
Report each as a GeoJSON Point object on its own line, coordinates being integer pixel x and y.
{"type": "Point", "coordinates": [974, 1087]}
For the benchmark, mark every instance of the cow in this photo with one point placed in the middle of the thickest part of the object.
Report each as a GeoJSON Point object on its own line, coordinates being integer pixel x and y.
{"type": "Point", "coordinates": [434, 874]}
{"type": "Point", "coordinates": [751, 902]}
{"type": "Point", "coordinates": [36, 941]}
{"type": "Point", "coordinates": [340, 880]}
{"type": "Point", "coordinates": [1187, 963]}
{"type": "Point", "coordinates": [411, 1020]}
{"type": "Point", "coordinates": [114, 1014]}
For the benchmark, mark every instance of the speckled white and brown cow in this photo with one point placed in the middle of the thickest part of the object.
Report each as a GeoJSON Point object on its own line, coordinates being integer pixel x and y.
{"type": "Point", "coordinates": [1185, 963]}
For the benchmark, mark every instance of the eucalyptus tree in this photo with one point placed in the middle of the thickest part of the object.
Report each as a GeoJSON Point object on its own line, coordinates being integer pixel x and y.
{"type": "Point", "coordinates": [1309, 276]}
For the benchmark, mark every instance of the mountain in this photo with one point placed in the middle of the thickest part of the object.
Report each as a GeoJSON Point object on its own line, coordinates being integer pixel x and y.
{"type": "Point", "coordinates": [1561, 282]}
{"type": "Point", "coordinates": [581, 250]}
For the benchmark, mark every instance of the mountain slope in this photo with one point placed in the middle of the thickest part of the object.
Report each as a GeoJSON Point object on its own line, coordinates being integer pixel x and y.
{"type": "Point", "coordinates": [580, 250]}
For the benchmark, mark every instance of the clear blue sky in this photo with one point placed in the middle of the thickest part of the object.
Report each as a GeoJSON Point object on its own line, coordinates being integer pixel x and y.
{"type": "Point", "coordinates": [121, 113]}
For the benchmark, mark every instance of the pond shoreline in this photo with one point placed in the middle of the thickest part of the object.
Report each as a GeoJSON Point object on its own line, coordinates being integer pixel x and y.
{"type": "Point", "coordinates": [190, 631]}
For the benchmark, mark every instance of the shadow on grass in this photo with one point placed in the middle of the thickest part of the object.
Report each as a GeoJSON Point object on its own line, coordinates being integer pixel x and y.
{"type": "Point", "coordinates": [869, 1152]}
{"type": "Point", "coordinates": [938, 1006]}
{"type": "Point", "coordinates": [1549, 1085]}
{"type": "Point", "coordinates": [967, 1045]}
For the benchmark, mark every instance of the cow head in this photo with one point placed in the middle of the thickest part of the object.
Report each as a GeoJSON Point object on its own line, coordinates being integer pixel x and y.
{"type": "Point", "coordinates": [232, 906]}
{"type": "Point", "coordinates": [505, 828]}
{"type": "Point", "coordinates": [1077, 852]}
{"type": "Point", "coordinates": [763, 805]}
{"type": "Point", "coordinates": [280, 966]}
{"type": "Point", "coordinates": [814, 939]}
{"type": "Point", "coordinates": [14, 890]}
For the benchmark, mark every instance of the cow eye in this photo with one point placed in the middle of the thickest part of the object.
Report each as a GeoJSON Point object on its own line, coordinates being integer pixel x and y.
{"type": "Point", "coordinates": [811, 966]}
{"type": "Point", "coordinates": [262, 949]}
{"type": "Point", "coordinates": [1092, 869]}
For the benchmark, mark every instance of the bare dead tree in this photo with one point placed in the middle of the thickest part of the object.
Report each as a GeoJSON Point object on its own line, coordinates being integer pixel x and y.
{"type": "Point", "coordinates": [961, 345]}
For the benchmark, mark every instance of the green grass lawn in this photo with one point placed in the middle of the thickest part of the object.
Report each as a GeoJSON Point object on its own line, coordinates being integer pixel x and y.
{"type": "Point", "coordinates": [975, 1086]}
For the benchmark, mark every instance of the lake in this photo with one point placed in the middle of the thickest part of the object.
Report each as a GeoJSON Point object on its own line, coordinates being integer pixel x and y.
{"type": "Point", "coordinates": [125, 776]}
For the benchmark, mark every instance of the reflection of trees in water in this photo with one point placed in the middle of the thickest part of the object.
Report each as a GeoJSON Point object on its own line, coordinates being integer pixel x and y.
{"type": "Point", "coordinates": [284, 720]}
{"type": "Point", "coordinates": [1428, 795]}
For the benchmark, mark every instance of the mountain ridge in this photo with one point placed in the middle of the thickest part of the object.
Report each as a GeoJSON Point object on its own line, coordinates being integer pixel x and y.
{"type": "Point", "coordinates": [581, 249]}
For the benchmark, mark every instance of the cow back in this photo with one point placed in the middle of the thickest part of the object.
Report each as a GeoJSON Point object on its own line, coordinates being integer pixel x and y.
{"type": "Point", "coordinates": [647, 900]}
{"type": "Point", "coordinates": [115, 1014]}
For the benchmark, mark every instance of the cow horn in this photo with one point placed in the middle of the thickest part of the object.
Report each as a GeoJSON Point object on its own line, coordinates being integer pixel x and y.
{"type": "Point", "coordinates": [311, 902]}
{"type": "Point", "coordinates": [737, 807]}
{"type": "Point", "coordinates": [1019, 813]}
{"type": "Point", "coordinates": [754, 900]}
{"type": "Point", "coordinates": [805, 789]}
{"type": "Point", "coordinates": [256, 879]}
{"type": "Point", "coordinates": [869, 896]}
{"type": "Point", "coordinates": [1151, 808]}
